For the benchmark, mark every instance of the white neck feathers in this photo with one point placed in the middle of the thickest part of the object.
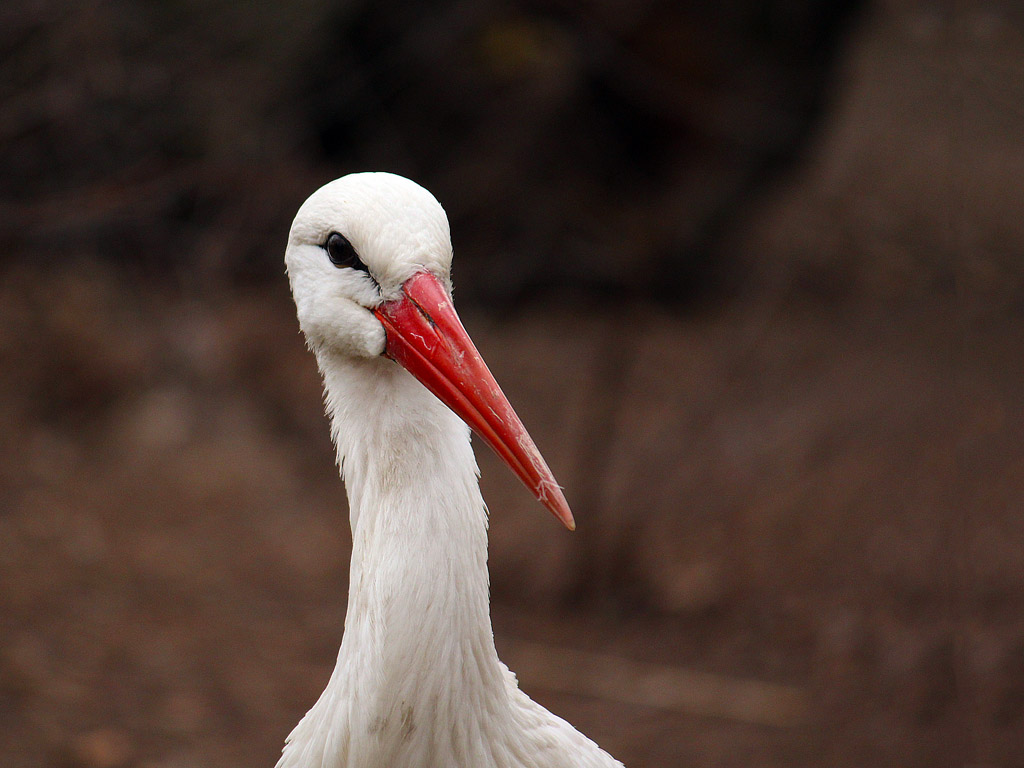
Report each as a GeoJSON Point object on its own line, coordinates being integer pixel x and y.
{"type": "Point", "coordinates": [418, 683]}
{"type": "Point", "coordinates": [418, 645]}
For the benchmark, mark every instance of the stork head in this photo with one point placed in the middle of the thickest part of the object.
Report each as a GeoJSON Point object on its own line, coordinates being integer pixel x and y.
{"type": "Point", "coordinates": [369, 259]}
{"type": "Point", "coordinates": [352, 246]}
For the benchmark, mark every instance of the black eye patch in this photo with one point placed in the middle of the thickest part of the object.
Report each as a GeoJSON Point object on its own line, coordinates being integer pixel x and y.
{"type": "Point", "coordinates": [342, 254]}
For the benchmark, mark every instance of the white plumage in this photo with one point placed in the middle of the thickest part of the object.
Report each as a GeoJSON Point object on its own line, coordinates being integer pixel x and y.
{"type": "Point", "coordinates": [418, 682]}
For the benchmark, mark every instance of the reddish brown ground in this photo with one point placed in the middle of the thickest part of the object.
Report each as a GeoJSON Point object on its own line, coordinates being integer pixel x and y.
{"type": "Point", "coordinates": [828, 500]}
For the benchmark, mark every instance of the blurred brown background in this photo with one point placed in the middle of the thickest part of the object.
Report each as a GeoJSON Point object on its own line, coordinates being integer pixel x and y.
{"type": "Point", "coordinates": [750, 271]}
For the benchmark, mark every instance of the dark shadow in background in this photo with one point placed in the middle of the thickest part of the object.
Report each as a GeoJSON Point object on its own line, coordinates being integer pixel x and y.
{"type": "Point", "coordinates": [602, 148]}
{"type": "Point", "coordinates": [624, 137]}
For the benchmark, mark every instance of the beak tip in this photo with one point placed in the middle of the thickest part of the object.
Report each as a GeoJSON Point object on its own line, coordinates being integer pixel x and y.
{"type": "Point", "coordinates": [560, 507]}
{"type": "Point", "coordinates": [551, 496]}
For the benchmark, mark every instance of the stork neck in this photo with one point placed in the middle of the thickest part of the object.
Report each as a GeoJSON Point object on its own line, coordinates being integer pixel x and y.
{"type": "Point", "coordinates": [405, 457]}
{"type": "Point", "coordinates": [418, 624]}
{"type": "Point", "coordinates": [418, 681]}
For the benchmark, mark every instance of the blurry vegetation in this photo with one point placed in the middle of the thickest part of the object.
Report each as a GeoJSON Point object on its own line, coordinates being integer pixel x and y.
{"type": "Point", "coordinates": [566, 142]}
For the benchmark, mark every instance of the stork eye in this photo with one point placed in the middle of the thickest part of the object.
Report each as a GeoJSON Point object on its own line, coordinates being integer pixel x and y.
{"type": "Point", "coordinates": [341, 253]}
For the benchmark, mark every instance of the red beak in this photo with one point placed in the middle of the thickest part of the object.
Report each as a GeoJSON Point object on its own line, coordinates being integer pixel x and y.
{"type": "Point", "coordinates": [426, 337]}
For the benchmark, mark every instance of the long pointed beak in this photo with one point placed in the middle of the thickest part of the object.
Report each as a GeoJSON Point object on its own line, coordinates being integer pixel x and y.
{"type": "Point", "coordinates": [426, 337]}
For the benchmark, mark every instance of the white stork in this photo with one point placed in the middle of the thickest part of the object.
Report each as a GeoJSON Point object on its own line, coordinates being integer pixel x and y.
{"type": "Point", "coordinates": [418, 683]}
